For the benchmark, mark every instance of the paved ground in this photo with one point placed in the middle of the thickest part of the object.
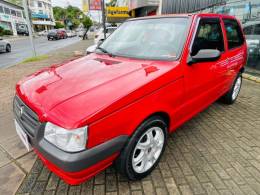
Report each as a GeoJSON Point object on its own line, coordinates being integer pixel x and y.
{"type": "Point", "coordinates": [217, 152]}
{"type": "Point", "coordinates": [21, 49]}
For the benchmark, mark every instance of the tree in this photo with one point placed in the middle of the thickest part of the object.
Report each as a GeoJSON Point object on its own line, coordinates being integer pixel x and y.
{"type": "Point", "coordinates": [59, 13]}
{"type": "Point", "coordinates": [87, 22]}
{"type": "Point", "coordinates": [17, 2]}
{"type": "Point", "coordinates": [59, 25]}
{"type": "Point", "coordinates": [71, 16]}
{"type": "Point", "coordinates": [111, 3]}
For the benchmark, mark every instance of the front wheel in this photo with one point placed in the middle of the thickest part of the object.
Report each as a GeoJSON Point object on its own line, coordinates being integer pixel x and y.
{"type": "Point", "coordinates": [144, 149]}
{"type": "Point", "coordinates": [231, 96]}
{"type": "Point", "coordinates": [8, 48]}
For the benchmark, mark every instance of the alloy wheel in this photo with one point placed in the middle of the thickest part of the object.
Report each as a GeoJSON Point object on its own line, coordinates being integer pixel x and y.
{"type": "Point", "coordinates": [148, 149]}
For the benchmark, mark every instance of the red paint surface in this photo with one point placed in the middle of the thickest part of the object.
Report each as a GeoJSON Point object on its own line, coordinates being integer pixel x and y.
{"type": "Point", "coordinates": [114, 98]}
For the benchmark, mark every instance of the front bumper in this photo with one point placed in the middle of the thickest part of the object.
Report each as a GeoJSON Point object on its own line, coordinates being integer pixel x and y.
{"type": "Point", "coordinates": [72, 167]}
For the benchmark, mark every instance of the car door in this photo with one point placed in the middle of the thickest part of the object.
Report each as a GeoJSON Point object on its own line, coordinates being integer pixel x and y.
{"type": "Point", "coordinates": [236, 49]}
{"type": "Point", "coordinates": [201, 82]}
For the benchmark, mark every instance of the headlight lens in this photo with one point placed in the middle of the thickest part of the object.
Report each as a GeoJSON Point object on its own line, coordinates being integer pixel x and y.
{"type": "Point", "coordinates": [68, 140]}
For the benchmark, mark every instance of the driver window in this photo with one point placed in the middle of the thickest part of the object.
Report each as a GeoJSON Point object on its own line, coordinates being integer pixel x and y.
{"type": "Point", "coordinates": [209, 36]}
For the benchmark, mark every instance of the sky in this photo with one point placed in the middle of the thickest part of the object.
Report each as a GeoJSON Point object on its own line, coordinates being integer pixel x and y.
{"type": "Point", "coordinates": [64, 3]}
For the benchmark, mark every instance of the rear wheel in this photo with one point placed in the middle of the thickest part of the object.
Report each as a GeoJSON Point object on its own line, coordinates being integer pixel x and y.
{"type": "Point", "coordinates": [231, 96]}
{"type": "Point", "coordinates": [144, 149]}
{"type": "Point", "coordinates": [8, 48]}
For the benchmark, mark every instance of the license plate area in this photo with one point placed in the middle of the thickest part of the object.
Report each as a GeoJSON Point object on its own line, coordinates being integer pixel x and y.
{"type": "Point", "coordinates": [23, 136]}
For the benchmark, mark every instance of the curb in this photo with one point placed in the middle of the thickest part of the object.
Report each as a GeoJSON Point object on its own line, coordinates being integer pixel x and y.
{"type": "Point", "coordinates": [251, 78]}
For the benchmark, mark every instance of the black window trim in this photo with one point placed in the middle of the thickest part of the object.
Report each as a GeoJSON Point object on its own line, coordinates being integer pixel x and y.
{"type": "Point", "coordinates": [234, 48]}
{"type": "Point", "coordinates": [217, 19]}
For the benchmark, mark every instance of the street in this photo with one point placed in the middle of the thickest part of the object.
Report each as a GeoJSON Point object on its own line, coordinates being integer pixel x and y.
{"type": "Point", "coordinates": [21, 49]}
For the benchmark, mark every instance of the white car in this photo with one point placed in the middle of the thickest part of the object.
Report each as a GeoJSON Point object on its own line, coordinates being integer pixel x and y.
{"type": "Point", "coordinates": [5, 46]}
{"type": "Point", "coordinates": [71, 33]}
{"type": "Point", "coordinates": [91, 49]}
{"type": "Point", "coordinates": [81, 33]}
{"type": "Point", "coordinates": [100, 34]}
{"type": "Point", "coordinates": [43, 33]}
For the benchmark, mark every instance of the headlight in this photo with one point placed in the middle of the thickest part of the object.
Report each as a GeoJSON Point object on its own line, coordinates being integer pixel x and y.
{"type": "Point", "coordinates": [68, 140]}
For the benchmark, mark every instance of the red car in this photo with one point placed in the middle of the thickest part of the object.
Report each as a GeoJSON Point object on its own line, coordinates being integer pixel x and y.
{"type": "Point", "coordinates": [57, 34]}
{"type": "Point", "coordinates": [118, 105]}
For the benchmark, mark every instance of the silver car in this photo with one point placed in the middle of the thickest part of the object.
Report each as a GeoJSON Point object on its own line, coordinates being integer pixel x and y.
{"type": "Point", "coordinates": [252, 32]}
{"type": "Point", "coordinates": [5, 46]}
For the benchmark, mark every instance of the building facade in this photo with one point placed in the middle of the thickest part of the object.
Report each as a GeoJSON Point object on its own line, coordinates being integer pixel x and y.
{"type": "Point", "coordinates": [140, 8]}
{"type": "Point", "coordinates": [11, 16]}
{"type": "Point", "coordinates": [41, 15]}
{"type": "Point", "coordinates": [187, 6]}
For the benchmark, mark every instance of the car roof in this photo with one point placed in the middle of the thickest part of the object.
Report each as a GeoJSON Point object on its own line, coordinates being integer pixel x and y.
{"type": "Point", "coordinates": [184, 15]}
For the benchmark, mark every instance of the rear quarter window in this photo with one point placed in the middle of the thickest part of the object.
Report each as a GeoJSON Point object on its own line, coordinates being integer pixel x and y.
{"type": "Point", "coordinates": [234, 33]}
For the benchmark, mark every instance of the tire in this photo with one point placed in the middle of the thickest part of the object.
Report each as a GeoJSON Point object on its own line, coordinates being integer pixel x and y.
{"type": "Point", "coordinates": [8, 48]}
{"type": "Point", "coordinates": [231, 96]}
{"type": "Point", "coordinates": [136, 163]}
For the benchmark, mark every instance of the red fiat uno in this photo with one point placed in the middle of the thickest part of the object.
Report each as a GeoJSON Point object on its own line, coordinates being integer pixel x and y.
{"type": "Point", "coordinates": [118, 105]}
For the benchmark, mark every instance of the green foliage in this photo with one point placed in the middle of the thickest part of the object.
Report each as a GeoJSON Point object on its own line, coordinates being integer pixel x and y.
{"type": "Point", "coordinates": [111, 3]}
{"type": "Point", "coordinates": [87, 22]}
{"type": "Point", "coordinates": [71, 16]}
{"type": "Point", "coordinates": [17, 2]}
{"type": "Point", "coordinates": [59, 25]}
{"type": "Point", "coordinates": [5, 32]}
{"type": "Point", "coordinates": [8, 32]}
{"type": "Point", "coordinates": [35, 59]}
{"type": "Point", "coordinates": [59, 13]}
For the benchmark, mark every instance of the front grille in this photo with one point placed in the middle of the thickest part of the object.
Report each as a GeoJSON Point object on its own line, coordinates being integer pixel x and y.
{"type": "Point", "coordinates": [26, 117]}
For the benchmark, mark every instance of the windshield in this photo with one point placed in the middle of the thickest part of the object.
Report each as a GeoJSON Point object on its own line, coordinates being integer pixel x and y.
{"type": "Point", "coordinates": [158, 39]}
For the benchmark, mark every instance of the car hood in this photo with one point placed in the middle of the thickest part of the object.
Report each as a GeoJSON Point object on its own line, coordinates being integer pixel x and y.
{"type": "Point", "coordinates": [73, 93]}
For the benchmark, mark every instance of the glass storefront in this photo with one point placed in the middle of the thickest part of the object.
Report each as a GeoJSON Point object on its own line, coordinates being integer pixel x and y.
{"type": "Point", "coordinates": [248, 12]}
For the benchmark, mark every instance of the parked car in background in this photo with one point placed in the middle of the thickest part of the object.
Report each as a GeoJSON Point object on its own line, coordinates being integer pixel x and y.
{"type": "Point", "coordinates": [100, 34]}
{"type": "Point", "coordinates": [91, 49]}
{"type": "Point", "coordinates": [22, 30]}
{"type": "Point", "coordinates": [119, 104]}
{"type": "Point", "coordinates": [71, 33]}
{"type": "Point", "coordinates": [81, 32]}
{"type": "Point", "coordinates": [5, 46]}
{"type": "Point", "coordinates": [91, 32]}
{"type": "Point", "coordinates": [43, 33]}
{"type": "Point", "coordinates": [252, 33]}
{"type": "Point", "coordinates": [57, 34]}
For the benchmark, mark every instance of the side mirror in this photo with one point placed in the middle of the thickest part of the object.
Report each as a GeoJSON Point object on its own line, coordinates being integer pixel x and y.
{"type": "Point", "coordinates": [205, 55]}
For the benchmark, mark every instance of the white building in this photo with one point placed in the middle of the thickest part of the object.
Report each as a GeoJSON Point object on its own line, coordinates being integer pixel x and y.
{"type": "Point", "coordinates": [11, 16]}
{"type": "Point", "coordinates": [42, 14]}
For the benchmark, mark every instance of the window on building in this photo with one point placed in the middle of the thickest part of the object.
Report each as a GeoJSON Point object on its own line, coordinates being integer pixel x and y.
{"type": "Point", "coordinates": [234, 33]}
{"type": "Point", "coordinates": [13, 12]}
{"type": "Point", "coordinates": [208, 36]}
{"type": "Point", "coordinates": [257, 29]}
{"type": "Point", "coordinates": [19, 14]}
{"type": "Point", "coordinates": [248, 30]}
{"type": "Point", "coordinates": [7, 11]}
{"type": "Point", "coordinates": [31, 3]}
{"type": "Point", "coordinates": [1, 9]}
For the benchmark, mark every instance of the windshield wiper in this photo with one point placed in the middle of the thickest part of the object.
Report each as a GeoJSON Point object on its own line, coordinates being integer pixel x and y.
{"type": "Point", "coordinates": [105, 51]}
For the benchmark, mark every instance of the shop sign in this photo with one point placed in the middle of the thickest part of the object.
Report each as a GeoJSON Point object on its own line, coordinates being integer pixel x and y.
{"type": "Point", "coordinates": [94, 4]}
{"type": "Point", "coordinates": [117, 12]}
